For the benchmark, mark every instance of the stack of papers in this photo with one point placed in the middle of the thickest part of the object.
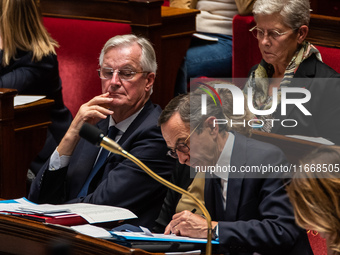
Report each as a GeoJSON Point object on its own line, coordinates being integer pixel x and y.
{"type": "Point", "coordinates": [139, 236]}
{"type": "Point", "coordinates": [89, 212]}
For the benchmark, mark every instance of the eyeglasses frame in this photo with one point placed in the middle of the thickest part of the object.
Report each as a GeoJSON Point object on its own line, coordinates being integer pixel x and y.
{"type": "Point", "coordinates": [172, 153]}
{"type": "Point", "coordinates": [278, 33]}
{"type": "Point", "coordinates": [118, 71]}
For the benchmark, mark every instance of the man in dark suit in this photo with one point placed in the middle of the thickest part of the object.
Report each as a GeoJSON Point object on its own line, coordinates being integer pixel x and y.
{"type": "Point", "coordinates": [250, 210]}
{"type": "Point", "coordinates": [74, 174]}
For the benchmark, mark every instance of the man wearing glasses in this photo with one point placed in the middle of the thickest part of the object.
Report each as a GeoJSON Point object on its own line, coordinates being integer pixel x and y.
{"type": "Point", "coordinates": [250, 211]}
{"type": "Point", "coordinates": [81, 172]}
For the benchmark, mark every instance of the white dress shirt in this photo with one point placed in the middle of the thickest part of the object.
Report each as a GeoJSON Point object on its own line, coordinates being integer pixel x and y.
{"type": "Point", "coordinates": [224, 160]}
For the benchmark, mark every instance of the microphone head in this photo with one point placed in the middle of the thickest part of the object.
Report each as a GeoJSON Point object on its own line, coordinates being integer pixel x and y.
{"type": "Point", "coordinates": [91, 133]}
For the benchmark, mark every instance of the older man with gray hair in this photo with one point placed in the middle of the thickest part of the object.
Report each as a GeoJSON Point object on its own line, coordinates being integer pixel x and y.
{"type": "Point", "coordinates": [80, 172]}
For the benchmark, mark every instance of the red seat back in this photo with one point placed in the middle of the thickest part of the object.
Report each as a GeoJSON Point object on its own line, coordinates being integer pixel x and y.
{"type": "Point", "coordinates": [80, 44]}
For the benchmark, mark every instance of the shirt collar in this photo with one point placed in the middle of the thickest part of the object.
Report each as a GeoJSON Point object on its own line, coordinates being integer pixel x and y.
{"type": "Point", "coordinates": [123, 125]}
{"type": "Point", "coordinates": [225, 157]}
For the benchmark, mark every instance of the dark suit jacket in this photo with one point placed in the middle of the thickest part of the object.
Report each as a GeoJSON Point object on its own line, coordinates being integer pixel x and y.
{"type": "Point", "coordinates": [182, 178]}
{"type": "Point", "coordinates": [119, 182]}
{"type": "Point", "coordinates": [39, 78]}
{"type": "Point", "coordinates": [258, 216]}
{"type": "Point", "coordinates": [324, 84]}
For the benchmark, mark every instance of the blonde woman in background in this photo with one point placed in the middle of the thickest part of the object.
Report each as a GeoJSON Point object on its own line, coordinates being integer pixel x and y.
{"type": "Point", "coordinates": [29, 64]}
{"type": "Point", "coordinates": [315, 195]}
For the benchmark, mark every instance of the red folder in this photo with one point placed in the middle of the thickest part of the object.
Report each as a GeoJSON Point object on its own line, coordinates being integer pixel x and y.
{"type": "Point", "coordinates": [66, 220]}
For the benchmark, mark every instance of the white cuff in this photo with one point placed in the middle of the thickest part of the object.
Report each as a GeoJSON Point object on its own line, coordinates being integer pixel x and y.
{"type": "Point", "coordinates": [57, 161]}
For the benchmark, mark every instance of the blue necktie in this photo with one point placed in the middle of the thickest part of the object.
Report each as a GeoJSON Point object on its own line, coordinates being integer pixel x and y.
{"type": "Point", "coordinates": [113, 131]}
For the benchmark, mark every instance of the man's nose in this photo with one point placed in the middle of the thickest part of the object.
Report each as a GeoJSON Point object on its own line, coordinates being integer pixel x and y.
{"type": "Point", "coordinates": [115, 77]}
{"type": "Point", "coordinates": [183, 158]}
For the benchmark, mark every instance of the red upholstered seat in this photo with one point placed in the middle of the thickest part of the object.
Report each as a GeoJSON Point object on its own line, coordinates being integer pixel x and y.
{"type": "Point", "coordinates": [80, 44]}
{"type": "Point", "coordinates": [245, 50]}
{"type": "Point", "coordinates": [317, 243]}
{"type": "Point", "coordinates": [330, 56]}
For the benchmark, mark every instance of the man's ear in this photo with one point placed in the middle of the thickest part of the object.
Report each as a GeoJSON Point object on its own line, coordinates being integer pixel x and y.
{"type": "Point", "coordinates": [212, 125]}
{"type": "Point", "coordinates": [302, 33]}
{"type": "Point", "coordinates": [150, 80]}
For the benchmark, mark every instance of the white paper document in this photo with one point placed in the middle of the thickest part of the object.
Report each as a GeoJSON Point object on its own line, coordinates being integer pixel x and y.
{"type": "Point", "coordinates": [159, 237]}
{"type": "Point", "coordinates": [90, 212]}
{"type": "Point", "coordinates": [195, 252]}
{"type": "Point", "coordinates": [320, 140]}
{"type": "Point", "coordinates": [101, 213]}
{"type": "Point", "coordinates": [21, 100]}
{"type": "Point", "coordinates": [13, 205]}
{"type": "Point", "coordinates": [91, 230]}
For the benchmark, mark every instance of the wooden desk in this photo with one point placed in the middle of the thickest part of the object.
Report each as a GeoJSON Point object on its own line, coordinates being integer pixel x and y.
{"type": "Point", "coordinates": [23, 132]}
{"type": "Point", "coordinates": [169, 29]}
{"type": "Point", "coordinates": [324, 31]}
{"type": "Point", "coordinates": [20, 236]}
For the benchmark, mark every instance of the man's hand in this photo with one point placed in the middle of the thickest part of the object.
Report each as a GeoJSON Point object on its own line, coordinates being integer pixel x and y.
{"type": "Point", "coordinates": [188, 224]}
{"type": "Point", "coordinates": [91, 112]}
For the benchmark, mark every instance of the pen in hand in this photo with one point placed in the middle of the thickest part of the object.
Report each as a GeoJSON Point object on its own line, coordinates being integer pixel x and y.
{"type": "Point", "coordinates": [192, 211]}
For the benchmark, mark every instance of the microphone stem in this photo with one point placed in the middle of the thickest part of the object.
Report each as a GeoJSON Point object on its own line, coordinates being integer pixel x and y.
{"type": "Point", "coordinates": [169, 185]}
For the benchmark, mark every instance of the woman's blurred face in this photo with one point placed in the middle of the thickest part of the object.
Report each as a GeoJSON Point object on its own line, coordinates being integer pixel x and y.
{"type": "Point", "coordinates": [277, 42]}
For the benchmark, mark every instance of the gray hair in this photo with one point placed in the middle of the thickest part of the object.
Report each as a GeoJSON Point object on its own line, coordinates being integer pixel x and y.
{"type": "Point", "coordinates": [148, 58]}
{"type": "Point", "coordinates": [189, 108]}
{"type": "Point", "coordinates": [295, 13]}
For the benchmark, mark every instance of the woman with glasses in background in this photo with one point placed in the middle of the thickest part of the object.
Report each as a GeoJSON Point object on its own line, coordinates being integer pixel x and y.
{"type": "Point", "coordinates": [288, 60]}
{"type": "Point", "coordinates": [29, 64]}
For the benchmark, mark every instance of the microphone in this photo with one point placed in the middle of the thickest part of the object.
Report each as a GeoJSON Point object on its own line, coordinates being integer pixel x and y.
{"type": "Point", "coordinates": [96, 137]}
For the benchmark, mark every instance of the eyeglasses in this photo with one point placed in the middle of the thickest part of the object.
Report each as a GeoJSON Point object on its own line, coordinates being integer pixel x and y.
{"type": "Point", "coordinates": [181, 146]}
{"type": "Point", "coordinates": [259, 34]}
{"type": "Point", "coordinates": [106, 73]}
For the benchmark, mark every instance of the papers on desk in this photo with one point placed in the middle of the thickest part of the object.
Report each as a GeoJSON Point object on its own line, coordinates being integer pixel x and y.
{"type": "Point", "coordinates": [21, 100]}
{"type": "Point", "coordinates": [320, 140]}
{"type": "Point", "coordinates": [139, 236]}
{"type": "Point", "coordinates": [90, 212]}
{"type": "Point", "coordinates": [91, 230]}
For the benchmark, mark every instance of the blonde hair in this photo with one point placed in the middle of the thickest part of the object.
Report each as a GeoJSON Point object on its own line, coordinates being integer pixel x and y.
{"type": "Point", "coordinates": [315, 195]}
{"type": "Point", "coordinates": [21, 28]}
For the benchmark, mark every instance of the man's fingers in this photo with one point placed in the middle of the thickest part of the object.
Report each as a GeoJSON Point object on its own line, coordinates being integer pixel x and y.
{"type": "Point", "coordinates": [167, 230]}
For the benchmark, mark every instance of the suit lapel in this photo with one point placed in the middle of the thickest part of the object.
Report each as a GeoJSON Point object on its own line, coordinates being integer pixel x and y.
{"type": "Point", "coordinates": [213, 192]}
{"type": "Point", "coordinates": [137, 122]}
{"type": "Point", "coordinates": [235, 181]}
